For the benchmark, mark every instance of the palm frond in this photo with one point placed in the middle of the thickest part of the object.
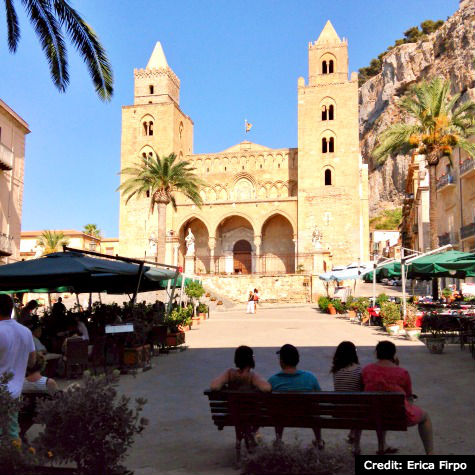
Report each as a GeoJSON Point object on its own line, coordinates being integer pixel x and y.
{"type": "Point", "coordinates": [13, 26]}
{"type": "Point", "coordinates": [51, 39]}
{"type": "Point", "coordinates": [394, 139]}
{"type": "Point", "coordinates": [87, 43]}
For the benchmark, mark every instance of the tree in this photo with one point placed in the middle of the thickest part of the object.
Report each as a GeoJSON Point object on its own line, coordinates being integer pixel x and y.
{"type": "Point", "coordinates": [52, 241]}
{"type": "Point", "coordinates": [160, 179]}
{"type": "Point", "coordinates": [48, 18]}
{"type": "Point", "coordinates": [437, 124]}
{"type": "Point", "coordinates": [92, 230]}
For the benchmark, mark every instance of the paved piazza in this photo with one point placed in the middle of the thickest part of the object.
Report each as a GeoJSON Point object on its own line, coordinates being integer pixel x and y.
{"type": "Point", "coordinates": [182, 439]}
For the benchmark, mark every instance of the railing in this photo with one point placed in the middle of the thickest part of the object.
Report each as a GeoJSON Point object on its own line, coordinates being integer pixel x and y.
{"type": "Point", "coordinates": [445, 180]}
{"type": "Point", "coordinates": [466, 166]}
{"type": "Point", "coordinates": [448, 238]}
{"type": "Point", "coordinates": [6, 244]}
{"type": "Point", "coordinates": [467, 231]}
{"type": "Point", "coordinates": [247, 263]}
{"type": "Point", "coordinates": [6, 158]}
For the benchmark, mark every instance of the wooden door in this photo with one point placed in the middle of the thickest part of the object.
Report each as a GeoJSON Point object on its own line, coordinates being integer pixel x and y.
{"type": "Point", "coordinates": [242, 252]}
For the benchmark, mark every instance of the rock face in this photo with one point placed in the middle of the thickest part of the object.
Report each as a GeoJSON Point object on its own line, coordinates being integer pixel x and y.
{"type": "Point", "coordinates": [448, 52]}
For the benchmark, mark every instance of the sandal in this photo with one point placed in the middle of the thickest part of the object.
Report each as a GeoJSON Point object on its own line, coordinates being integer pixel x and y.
{"type": "Point", "coordinates": [388, 450]}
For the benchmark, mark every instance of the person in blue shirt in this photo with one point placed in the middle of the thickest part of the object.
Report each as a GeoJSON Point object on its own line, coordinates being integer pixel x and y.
{"type": "Point", "coordinates": [293, 379]}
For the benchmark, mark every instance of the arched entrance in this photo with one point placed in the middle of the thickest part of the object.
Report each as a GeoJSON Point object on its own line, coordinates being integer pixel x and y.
{"type": "Point", "coordinates": [201, 257]}
{"type": "Point", "coordinates": [278, 249]}
{"type": "Point", "coordinates": [242, 257]}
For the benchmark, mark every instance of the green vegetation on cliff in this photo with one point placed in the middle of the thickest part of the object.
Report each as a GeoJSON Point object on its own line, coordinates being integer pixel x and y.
{"type": "Point", "coordinates": [412, 35]}
{"type": "Point", "coordinates": [388, 219]}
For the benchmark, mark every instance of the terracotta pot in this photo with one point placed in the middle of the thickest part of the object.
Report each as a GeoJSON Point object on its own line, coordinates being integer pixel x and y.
{"type": "Point", "coordinates": [331, 310]}
{"type": "Point", "coordinates": [137, 356]}
{"type": "Point", "coordinates": [175, 339]}
{"type": "Point", "coordinates": [203, 316]}
{"type": "Point", "coordinates": [195, 321]}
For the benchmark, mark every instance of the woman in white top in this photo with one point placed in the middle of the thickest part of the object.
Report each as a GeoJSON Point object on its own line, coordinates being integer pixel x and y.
{"type": "Point", "coordinates": [35, 382]}
{"type": "Point", "coordinates": [250, 303]}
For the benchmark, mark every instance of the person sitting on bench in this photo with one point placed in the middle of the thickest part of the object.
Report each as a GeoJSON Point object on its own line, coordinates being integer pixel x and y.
{"type": "Point", "coordinates": [35, 382]}
{"type": "Point", "coordinates": [293, 379]}
{"type": "Point", "coordinates": [242, 378]}
{"type": "Point", "coordinates": [386, 375]}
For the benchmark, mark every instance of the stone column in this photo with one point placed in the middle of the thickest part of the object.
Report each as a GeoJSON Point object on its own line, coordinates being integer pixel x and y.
{"type": "Point", "coordinates": [212, 247]}
{"type": "Point", "coordinates": [256, 258]}
{"type": "Point", "coordinates": [296, 260]}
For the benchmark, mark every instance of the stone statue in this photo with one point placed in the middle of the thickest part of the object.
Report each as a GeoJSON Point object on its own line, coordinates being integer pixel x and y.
{"type": "Point", "coordinates": [190, 243]}
{"type": "Point", "coordinates": [316, 238]}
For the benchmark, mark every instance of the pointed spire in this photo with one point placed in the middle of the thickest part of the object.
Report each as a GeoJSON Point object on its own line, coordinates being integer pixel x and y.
{"type": "Point", "coordinates": [158, 59]}
{"type": "Point", "coordinates": [328, 34]}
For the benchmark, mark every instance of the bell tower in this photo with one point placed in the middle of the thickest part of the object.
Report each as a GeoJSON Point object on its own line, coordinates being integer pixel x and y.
{"type": "Point", "coordinates": [332, 181]}
{"type": "Point", "coordinates": [153, 125]}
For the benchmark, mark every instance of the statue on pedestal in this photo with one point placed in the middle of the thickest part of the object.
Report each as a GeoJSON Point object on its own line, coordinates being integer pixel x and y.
{"type": "Point", "coordinates": [190, 243]}
{"type": "Point", "coordinates": [316, 238]}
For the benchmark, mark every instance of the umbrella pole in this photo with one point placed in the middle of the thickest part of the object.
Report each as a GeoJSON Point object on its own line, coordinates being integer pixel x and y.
{"type": "Point", "coordinates": [403, 282]}
{"type": "Point", "coordinates": [374, 282]}
{"type": "Point", "coordinates": [134, 298]}
{"type": "Point", "coordinates": [100, 300]}
{"type": "Point", "coordinates": [77, 301]}
{"type": "Point", "coordinates": [49, 300]}
{"type": "Point", "coordinates": [172, 294]}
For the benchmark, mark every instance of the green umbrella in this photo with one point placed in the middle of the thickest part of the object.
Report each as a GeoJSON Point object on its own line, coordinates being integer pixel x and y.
{"type": "Point", "coordinates": [454, 264]}
{"type": "Point", "coordinates": [390, 271]}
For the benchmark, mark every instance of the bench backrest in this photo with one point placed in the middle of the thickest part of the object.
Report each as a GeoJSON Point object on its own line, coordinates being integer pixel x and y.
{"type": "Point", "coordinates": [338, 410]}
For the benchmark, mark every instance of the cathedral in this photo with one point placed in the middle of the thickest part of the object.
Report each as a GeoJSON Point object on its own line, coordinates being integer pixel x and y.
{"type": "Point", "coordinates": [266, 210]}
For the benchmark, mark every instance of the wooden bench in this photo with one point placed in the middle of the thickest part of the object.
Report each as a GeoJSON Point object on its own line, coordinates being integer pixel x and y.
{"type": "Point", "coordinates": [379, 411]}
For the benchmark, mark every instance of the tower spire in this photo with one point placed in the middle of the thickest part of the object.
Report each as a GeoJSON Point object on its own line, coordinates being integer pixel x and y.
{"type": "Point", "coordinates": [328, 34]}
{"type": "Point", "coordinates": [158, 59]}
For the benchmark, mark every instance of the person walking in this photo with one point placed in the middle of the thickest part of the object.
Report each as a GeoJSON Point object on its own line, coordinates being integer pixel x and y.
{"type": "Point", "coordinates": [17, 351]}
{"type": "Point", "coordinates": [256, 299]}
{"type": "Point", "coordinates": [250, 302]}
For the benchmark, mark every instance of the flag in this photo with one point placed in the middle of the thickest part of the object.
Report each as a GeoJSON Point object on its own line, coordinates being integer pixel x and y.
{"type": "Point", "coordinates": [248, 126]}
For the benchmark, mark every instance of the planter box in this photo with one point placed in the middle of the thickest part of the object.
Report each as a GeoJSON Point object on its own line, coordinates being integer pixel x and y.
{"type": "Point", "coordinates": [176, 339]}
{"type": "Point", "coordinates": [393, 329]}
{"type": "Point", "coordinates": [138, 357]}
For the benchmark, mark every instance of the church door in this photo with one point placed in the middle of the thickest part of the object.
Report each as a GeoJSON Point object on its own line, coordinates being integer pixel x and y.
{"type": "Point", "coordinates": [242, 257]}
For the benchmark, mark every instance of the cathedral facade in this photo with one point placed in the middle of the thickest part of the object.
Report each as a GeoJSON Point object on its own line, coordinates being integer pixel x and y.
{"type": "Point", "coordinates": [265, 210]}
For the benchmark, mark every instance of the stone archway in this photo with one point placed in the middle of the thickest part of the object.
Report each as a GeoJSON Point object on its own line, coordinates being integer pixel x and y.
{"type": "Point", "coordinates": [242, 257]}
{"type": "Point", "coordinates": [201, 258]}
{"type": "Point", "coordinates": [278, 248]}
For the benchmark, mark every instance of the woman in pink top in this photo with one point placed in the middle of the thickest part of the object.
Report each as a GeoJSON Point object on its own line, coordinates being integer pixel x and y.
{"type": "Point", "coordinates": [386, 375]}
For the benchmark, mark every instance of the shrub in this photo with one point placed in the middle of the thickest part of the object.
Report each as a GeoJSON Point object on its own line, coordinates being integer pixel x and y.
{"type": "Point", "coordinates": [339, 305]}
{"type": "Point", "coordinates": [293, 459]}
{"type": "Point", "coordinates": [194, 290]}
{"type": "Point", "coordinates": [390, 313]}
{"type": "Point", "coordinates": [411, 316]}
{"type": "Point", "coordinates": [381, 298]}
{"type": "Point", "coordinates": [179, 316]}
{"type": "Point", "coordinates": [323, 303]}
{"type": "Point", "coordinates": [361, 306]}
{"type": "Point", "coordinates": [202, 308]}
{"type": "Point", "coordinates": [91, 426]}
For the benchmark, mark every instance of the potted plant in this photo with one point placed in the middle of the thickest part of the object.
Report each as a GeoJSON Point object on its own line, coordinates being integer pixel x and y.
{"type": "Point", "coordinates": [323, 303]}
{"type": "Point", "coordinates": [361, 307]}
{"type": "Point", "coordinates": [202, 311]}
{"type": "Point", "coordinates": [447, 294]}
{"type": "Point", "coordinates": [178, 317]}
{"type": "Point", "coordinates": [194, 290]}
{"type": "Point", "coordinates": [381, 298]}
{"type": "Point", "coordinates": [412, 331]}
{"type": "Point", "coordinates": [338, 305]}
{"type": "Point", "coordinates": [90, 425]}
{"type": "Point", "coordinates": [436, 342]}
{"type": "Point", "coordinates": [391, 313]}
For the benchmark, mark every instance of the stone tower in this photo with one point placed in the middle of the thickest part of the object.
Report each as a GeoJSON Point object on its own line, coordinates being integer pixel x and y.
{"type": "Point", "coordinates": [332, 181]}
{"type": "Point", "coordinates": [154, 125]}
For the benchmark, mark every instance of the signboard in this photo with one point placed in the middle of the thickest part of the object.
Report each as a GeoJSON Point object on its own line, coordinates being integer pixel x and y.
{"type": "Point", "coordinates": [121, 328]}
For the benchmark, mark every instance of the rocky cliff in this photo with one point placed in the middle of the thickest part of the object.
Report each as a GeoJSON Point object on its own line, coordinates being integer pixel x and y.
{"type": "Point", "coordinates": [448, 52]}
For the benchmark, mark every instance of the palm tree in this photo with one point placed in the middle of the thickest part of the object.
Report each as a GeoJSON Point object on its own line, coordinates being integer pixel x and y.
{"type": "Point", "coordinates": [435, 125]}
{"type": "Point", "coordinates": [92, 230]}
{"type": "Point", "coordinates": [159, 179]}
{"type": "Point", "coordinates": [48, 17]}
{"type": "Point", "coordinates": [52, 241]}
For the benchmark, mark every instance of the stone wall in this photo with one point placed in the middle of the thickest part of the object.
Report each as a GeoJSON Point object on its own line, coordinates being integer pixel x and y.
{"type": "Point", "coordinates": [290, 288]}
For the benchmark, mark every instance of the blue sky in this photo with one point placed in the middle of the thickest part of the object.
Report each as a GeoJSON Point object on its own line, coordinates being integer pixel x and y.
{"type": "Point", "coordinates": [235, 59]}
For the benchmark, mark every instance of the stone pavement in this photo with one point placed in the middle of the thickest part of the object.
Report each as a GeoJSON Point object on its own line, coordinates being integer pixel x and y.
{"type": "Point", "coordinates": [181, 438]}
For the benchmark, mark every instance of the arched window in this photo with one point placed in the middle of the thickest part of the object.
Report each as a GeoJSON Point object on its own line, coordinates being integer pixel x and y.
{"type": "Point", "coordinates": [331, 147]}
{"type": "Point", "coordinates": [147, 128]}
{"type": "Point", "coordinates": [180, 130]}
{"type": "Point", "coordinates": [331, 112]}
{"type": "Point", "coordinates": [324, 67]}
{"type": "Point", "coordinates": [324, 145]}
{"type": "Point", "coordinates": [328, 177]}
{"type": "Point", "coordinates": [150, 89]}
{"type": "Point", "coordinates": [330, 66]}
{"type": "Point", "coordinates": [324, 112]}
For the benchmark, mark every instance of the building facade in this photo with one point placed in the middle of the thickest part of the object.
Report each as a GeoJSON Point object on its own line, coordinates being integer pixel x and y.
{"type": "Point", "coordinates": [13, 130]}
{"type": "Point", "coordinates": [455, 203]}
{"type": "Point", "coordinates": [265, 210]}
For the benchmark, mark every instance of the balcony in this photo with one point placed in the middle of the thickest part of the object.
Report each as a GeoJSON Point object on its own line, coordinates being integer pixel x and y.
{"type": "Point", "coordinates": [6, 244]}
{"type": "Point", "coordinates": [448, 238]}
{"type": "Point", "coordinates": [467, 167]}
{"type": "Point", "coordinates": [467, 231]}
{"type": "Point", "coordinates": [446, 182]}
{"type": "Point", "coordinates": [6, 158]}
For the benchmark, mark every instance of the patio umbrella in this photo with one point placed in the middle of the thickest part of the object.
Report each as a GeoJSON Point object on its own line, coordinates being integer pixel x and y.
{"type": "Point", "coordinates": [76, 272]}
{"type": "Point", "coordinates": [391, 270]}
{"type": "Point", "coordinates": [454, 264]}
